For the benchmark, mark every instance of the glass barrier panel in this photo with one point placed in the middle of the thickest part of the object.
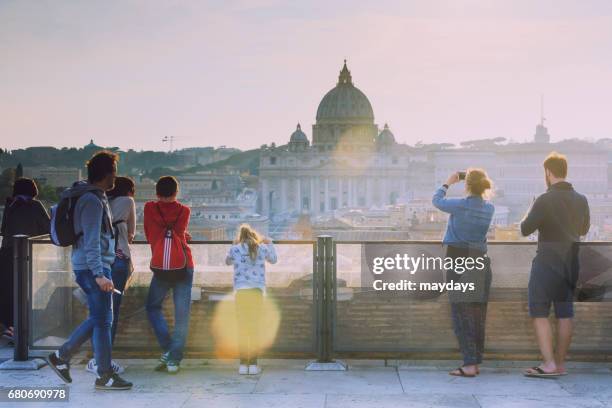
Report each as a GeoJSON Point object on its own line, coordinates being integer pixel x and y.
{"type": "Point", "coordinates": [370, 320]}
{"type": "Point", "coordinates": [287, 319]}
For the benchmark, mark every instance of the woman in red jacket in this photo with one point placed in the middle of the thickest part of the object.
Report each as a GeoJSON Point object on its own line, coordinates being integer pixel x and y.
{"type": "Point", "coordinates": [165, 225]}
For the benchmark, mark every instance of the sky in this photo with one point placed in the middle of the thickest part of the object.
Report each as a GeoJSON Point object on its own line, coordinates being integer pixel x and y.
{"type": "Point", "coordinates": [244, 73]}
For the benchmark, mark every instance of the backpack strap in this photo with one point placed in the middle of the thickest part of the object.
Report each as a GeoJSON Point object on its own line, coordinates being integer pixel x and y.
{"type": "Point", "coordinates": [107, 223]}
{"type": "Point", "coordinates": [169, 226]}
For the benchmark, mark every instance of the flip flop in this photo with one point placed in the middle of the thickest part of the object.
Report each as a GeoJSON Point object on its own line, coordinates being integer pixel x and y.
{"type": "Point", "coordinates": [461, 373]}
{"type": "Point", "coordinates": [539, 373]}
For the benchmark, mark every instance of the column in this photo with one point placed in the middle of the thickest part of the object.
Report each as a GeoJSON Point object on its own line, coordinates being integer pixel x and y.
{"type": "Point", "coordinates": [385, 191]}
{"type": "Point", "coordinates": [350, 192]}
{"type": "Point", "coordinates": [313, 209]}
{"type": "Point", "coordinates": [265, 203]}
{"type": "Point", "coordinates": [283, 195]}
{"type": "Point", "coordinates": [326, 207]}
{"type": "Point", "coordinates": [298, 186]}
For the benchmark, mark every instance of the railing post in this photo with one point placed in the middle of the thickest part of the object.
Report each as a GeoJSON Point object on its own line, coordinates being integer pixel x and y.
{"type": "Point", "coordinates": [325, 243]}
{"type": "Point", "coordinates": [328, 295]}
{"type": "Point", "coordinates": [324, 298]}
{"type": "Point", "coordinates": [21, 296]}
{"type": "Point", "coordinates": [318, 282]}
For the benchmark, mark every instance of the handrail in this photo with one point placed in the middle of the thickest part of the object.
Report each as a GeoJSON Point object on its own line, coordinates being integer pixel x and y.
{"type": "Point", "coordinates": [492, 243]}
{"type": "Point", "coordinates": [43, 239]}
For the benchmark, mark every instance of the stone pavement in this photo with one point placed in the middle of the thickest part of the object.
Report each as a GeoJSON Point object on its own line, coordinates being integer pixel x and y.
{"type": "Point", "coordinates": [284, 383]}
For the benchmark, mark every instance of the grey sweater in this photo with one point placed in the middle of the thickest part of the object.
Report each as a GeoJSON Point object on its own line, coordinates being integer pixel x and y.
{"type": "Point", "coordinates": [124, 210]}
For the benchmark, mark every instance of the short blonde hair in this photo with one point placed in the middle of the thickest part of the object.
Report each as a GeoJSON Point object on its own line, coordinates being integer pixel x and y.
{"type": "Point", "coordinates": [556, 163]}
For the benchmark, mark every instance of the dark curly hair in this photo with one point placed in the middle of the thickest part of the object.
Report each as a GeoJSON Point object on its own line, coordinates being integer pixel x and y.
{"type": "Point", "coordinates": [101, 165]}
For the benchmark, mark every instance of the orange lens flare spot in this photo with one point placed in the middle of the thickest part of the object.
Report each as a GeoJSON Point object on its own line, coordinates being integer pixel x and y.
{"type": "Point", "coordinates": [259, 315]}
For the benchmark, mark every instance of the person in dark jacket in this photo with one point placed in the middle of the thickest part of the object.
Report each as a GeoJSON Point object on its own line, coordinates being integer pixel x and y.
{"type": "Point", "coordinates": [561, 217]}
{"type": "Point", "coordinates": [23, 214]}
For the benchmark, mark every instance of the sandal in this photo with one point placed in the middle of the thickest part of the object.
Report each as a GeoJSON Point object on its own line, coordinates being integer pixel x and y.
{"type": "Point", "coordinates": [539, 373]}
{"type": "Point", "coordinates": [461, 373]}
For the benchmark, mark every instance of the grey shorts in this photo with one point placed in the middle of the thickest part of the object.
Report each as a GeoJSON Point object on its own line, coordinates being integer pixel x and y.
{"type": "Point", "coordinates": [548, 288]}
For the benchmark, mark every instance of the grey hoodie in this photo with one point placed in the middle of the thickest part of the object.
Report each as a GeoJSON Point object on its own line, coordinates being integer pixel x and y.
{"type": "Point", "coordinates": [95, 248]}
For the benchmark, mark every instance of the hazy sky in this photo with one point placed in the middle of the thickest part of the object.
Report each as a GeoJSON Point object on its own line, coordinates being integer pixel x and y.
{"type": "Point", "coordinates": [243, 73]}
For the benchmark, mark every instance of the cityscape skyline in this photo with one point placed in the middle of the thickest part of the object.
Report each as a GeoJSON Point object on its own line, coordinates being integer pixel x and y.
{"type": "Point", "coordinates": [243, 74]}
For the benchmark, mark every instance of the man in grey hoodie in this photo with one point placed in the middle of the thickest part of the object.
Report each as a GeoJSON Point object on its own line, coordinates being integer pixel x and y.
{"type": "Point", "coordinates": [92, 256]}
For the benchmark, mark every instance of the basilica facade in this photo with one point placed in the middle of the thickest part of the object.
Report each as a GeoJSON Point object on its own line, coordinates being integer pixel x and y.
{"type": "Point", "coordinates": [350, 162]}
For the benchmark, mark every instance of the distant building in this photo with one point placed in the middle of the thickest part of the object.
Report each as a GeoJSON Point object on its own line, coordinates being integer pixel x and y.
{"type": "Point", "coordinates": [201, 227]}
{"type": "Point", "coordinates": [59, 177]}
{"type": "Point", "coordinates": [520, 173]}
{"type": "Point", "coordinates": [541, 134]}
{"type": "Point", "coordinates": [209, 231]}
{"type": "Point", "coordinates": [145, 190]}
{"type": "Point", "coordinates": [351, 163]}
{"type": "Point", "coordinates": [210, 187]}
{"type": "Point", "coordinates": [202, 156]}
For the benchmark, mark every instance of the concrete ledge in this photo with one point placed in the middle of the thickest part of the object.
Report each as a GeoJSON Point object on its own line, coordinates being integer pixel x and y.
{"type": "Point", "coordinates": [33, 364]}
{"type": "Point", "coordinates": [331, 366]}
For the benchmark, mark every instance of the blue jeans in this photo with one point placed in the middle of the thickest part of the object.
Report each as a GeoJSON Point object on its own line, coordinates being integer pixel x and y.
{"type": "Point", "coordinates": [98, 324]}
{"type": "Point", "coordinates": [120, 272]}
{"type": "Point", "coordinates": [181, 291]}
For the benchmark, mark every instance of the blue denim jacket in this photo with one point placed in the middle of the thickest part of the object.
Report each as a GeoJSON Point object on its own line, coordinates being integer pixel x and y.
{"type": "Point", "coordinates": [469, 221]}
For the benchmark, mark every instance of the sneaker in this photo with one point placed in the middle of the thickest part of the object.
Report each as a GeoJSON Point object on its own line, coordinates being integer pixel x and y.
{"type": "Point", "coordinates": [112, 382]}
{"type": "Point", "coordinates": [173, 367]}
{"type": "Point", "coordinates": [254, 369]}
{"type": "Point", "coordinates": [61, 367]}
{"type": "Point", "coordinates": [243, 369]}
{"type": "Point", "coordinates": [92, 367]}
{"type": "Point", "coordinates": [163, 362]}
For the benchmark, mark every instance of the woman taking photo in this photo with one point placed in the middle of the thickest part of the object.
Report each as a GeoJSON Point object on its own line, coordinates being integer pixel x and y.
{"type": "Point", "coordinates": [23, 214]}
{"type": "Point", "coordinates": [466, 237]}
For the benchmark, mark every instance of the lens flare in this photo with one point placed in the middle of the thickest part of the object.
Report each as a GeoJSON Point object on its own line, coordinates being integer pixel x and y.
{"type": "Point", "coordinates": [225, 328]}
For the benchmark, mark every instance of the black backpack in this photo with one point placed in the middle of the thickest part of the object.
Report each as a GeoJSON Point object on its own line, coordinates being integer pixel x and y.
{"type": "Point", "coordinates": [62, 222]}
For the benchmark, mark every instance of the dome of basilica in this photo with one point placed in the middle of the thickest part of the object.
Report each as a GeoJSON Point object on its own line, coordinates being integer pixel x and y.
{"type": "Point", "coordinates": [345, 103]}
{"type": "Point", "coordinates": [385, 138]}
{"type": "Point", "coordinates": [298, 136]}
